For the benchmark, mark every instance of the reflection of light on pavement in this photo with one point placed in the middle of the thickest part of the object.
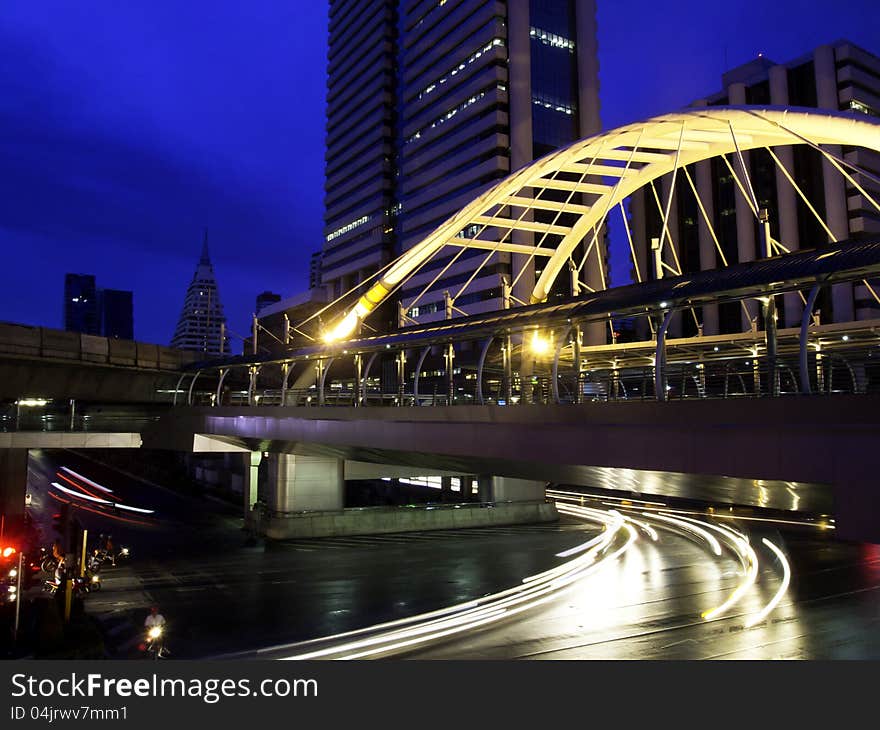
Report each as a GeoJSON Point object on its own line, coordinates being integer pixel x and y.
{"type": "Point", "coordinates": [750, 563]}
{"type": "Point", "coordinates": [535, 591]}
{"type": "Point", "coordinates": [691, 527]}
{"type": "Point", "coordinates": [783, 587]}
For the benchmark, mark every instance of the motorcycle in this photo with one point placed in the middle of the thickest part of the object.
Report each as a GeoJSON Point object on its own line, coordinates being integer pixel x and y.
{"type": "Point", "coordinates": [47, 561]}
{"type": "Point", "coordinates": [154, 642]}
{"type": "Point", "coordinates": [102, 555]}
{"type": "Point", "coordinates": [81, 584]}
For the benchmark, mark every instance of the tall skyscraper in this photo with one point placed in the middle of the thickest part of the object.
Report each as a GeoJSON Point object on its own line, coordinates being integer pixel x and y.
{"type": "Point", "coordinates": [361, 113]}
{"type": "Point", "coordinates": [431, 103]}
{"type": "Point", "coordinates": [836, 77]}
{"type": "Point", "coordinates": [81, 308]}
{"type": "Point", "coordinates": [117, 315]}
{"type": "Point", "coordinates": [202, 326]}
{"type": "Point", "coordinates": [487, 87]}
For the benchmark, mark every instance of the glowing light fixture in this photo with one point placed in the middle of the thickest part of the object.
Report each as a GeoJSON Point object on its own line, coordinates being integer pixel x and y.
{"type": "Point", "coordinates": [540, 345]}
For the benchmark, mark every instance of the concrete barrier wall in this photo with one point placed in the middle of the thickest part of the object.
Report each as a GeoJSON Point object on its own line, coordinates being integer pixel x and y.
{"type": "Point", "coordinates": [378, 520]}
{"type": "Point", "coordinates": [18, 341]}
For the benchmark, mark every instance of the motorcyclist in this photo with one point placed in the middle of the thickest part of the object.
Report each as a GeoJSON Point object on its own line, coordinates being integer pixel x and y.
{"type": "Point", "coordinates": [156, 620]}
{"type": "Point", "coordinates": [60, 571]}
{"type": "Point", "coordinates": [57, 550]}
{"type": "Point", "coordinates": [107, 546]}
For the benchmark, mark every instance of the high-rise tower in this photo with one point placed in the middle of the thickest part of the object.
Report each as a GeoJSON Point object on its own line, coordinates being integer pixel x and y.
{"type": "Point", "coordinates": [202, 326]}
{"type": "Point", "coordinates": [431, 103]}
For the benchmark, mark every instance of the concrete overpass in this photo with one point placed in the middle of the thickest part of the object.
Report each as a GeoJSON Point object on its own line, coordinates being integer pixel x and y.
{"type": "Point", "coordinates": [48, 363]}
{"type": "Point", "coordinates": [806, 454]}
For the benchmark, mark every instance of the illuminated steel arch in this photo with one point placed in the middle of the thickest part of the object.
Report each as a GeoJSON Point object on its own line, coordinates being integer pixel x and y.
{"type": "Point", "coordinates": [587, 179]}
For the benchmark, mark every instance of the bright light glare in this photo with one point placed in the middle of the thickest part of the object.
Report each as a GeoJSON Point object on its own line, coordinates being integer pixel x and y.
{"type": "Point", "coordinates": [80, 495]}
{"type": "Point", "coordinates": [540, 345]}
{"type": "Point", "coordinates": [87, 481]}
{"type": "Point", "coordinates": [345, 328]}
{"type": "Point", "coordinates": [536, 591]}
{"type": "Point", "coordinates": [783, 587]}
{"type": "Point", "coordinates": [688, 526]}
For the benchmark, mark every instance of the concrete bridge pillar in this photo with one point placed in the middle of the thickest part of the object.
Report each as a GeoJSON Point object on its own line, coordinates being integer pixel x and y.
{"type": "Point", "coordinates": [13, 485]}
{"type": "Point", "coordinates": [250, 484]}
{"type": "Point", "coordinates": [508, 489]}
{"type": "Point", "coordinates": [305, 483]}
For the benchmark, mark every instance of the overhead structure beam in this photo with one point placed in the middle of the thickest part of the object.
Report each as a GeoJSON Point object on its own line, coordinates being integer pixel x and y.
{"type": "Point", "coordinates": [502, 246]}
{"type": "Point", "coordinates": [520, 225]}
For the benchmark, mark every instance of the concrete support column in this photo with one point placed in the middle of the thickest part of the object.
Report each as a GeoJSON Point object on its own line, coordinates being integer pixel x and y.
{"type": "Point", "coordinates": [587, 50]}
{"type": "Point", "coordinates": [671, 242]}
{"type": "Point", "coordinates": [641, 246]}
{"type": "Point", "coordinates": [508, 489]}
{"type": "Point", "coordinates": [589, 122]}
{"type": "Point", "coordinates": [13, 485]}
{"type": "Point", "coordinates": [445, 489]}
{"type": "Point", "coordinates": [745, 218]}
{"type": "Point", "coordinates": [521, 150]}
{"type": "Point", "coordinates": [708, 253]}
{"type": "Point", "coordinates": [305, 483]}
{"type": "Point", "coordinates": [466, 481]}
{"type": "Point", "coordinates": [786, 196]}
{"type": "Point", "coordinates": [250, 484]}
{"type": "Point", "coordinates": [836, 215]}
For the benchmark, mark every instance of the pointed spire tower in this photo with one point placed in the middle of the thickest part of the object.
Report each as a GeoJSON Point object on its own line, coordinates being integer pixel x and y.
{"type": "Point", "coordinates": [202, 326]}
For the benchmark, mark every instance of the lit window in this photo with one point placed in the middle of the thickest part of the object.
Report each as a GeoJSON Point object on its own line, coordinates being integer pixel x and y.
{"type": "Point", "coordinates": [551, 39]}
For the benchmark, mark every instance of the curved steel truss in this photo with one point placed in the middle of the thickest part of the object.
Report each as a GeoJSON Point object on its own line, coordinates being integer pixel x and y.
{"type": "Point", "coordinates": [559, 203]}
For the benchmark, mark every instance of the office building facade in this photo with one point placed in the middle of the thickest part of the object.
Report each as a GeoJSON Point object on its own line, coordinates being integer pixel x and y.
{"type": "Point", "coordinates": [360, 152]}
{"type": "Point", "coordinates": [466, 92]}
{"type": "Point", "coordinates": [836, 77]}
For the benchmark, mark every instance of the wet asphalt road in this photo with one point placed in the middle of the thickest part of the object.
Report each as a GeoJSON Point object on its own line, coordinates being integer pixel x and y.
{"type": "Point", "coordinates": [222, 597]}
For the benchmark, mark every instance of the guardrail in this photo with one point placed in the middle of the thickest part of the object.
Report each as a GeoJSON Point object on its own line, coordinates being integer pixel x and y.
{"type": "Point", "coordinates": [54, 416]}
{"type": "Point", "coordinates": [854, 370]}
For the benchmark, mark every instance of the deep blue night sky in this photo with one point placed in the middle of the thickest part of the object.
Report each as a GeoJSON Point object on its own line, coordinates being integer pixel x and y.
{"type": "Point", "coordinates": [126, 128]}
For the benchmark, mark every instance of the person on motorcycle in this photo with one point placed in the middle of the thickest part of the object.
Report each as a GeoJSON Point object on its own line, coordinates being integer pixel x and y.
{"type": "Point", "coordinates": [57, 550]}
{"type": "Point", "coordinates": [156, 620]}
{"type": "Point", "coordinates": [60, 571]}
{"type": "Point", "coordinates": [107, 546]}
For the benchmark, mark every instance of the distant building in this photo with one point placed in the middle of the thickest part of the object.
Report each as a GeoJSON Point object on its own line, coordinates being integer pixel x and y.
{"type": "Point", "coordinates": [272, 318]}
{"type": "Point", "coordinates": [315, 270]}
{"type": "Point", "coordinates": [265, 299]}
{"type": "Point", "coordinates": [202, 326]}
{"type": "Point", "coordinates": [81, 308]}
{"type": "Point", "coordinates": [94, 311]}
{"type": "Point", "coordinates": [835, 77]}
{"type": "Point", "coordinates": [117, 313]}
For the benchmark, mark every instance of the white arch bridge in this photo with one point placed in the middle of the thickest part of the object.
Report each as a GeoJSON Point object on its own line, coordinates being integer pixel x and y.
{"type": "Point", "coordinates": [555, 210]}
